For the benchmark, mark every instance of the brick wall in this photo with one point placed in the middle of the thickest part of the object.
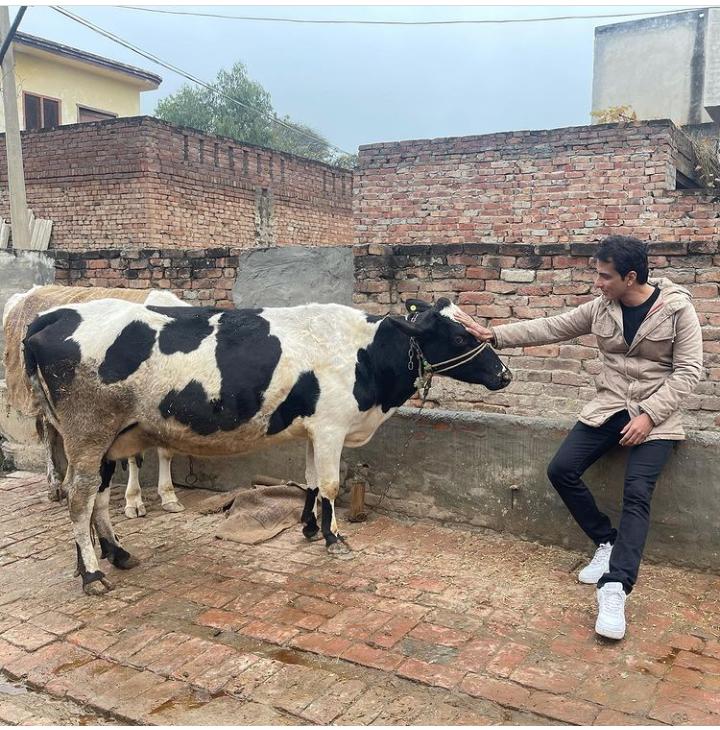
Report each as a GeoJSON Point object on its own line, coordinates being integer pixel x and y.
{"type": "Point", "coordinates": [543, 187]}
{"type": "Point", "coordinates": [201, 277]}
{"type": "Point", "coordinates": [502, 283]}
{"type": "Point", "coordinates": [142, 183]}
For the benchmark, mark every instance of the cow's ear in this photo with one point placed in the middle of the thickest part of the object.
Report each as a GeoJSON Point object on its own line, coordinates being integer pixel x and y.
{"type": "Point", "coordinates": [441, 304]}
{"type": "Point", "coordinates": [415, 306]}
{"type": "Point", "coordinates": [410, 328]}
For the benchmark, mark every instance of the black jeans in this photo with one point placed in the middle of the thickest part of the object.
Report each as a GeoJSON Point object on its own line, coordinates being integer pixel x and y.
{"type": "Point", "coordinates": [583, 446]}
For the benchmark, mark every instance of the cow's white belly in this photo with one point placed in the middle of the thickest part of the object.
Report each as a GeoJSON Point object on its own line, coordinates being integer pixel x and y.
{"type": "Point", "coordinates": [364, 426]}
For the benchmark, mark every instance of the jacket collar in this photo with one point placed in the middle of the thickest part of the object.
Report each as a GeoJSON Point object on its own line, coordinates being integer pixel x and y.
{"type": "Point", "coordinates": [673, 297]}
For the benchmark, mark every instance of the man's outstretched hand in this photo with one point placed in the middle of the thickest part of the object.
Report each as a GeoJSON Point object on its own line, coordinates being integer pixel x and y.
{"type": "Point", "coordinates": [477, 330]}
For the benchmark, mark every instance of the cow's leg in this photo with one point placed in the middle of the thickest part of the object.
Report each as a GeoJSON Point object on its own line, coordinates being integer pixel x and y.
{"type": "Point", "coordinates": [82, 486]}
{"type": "Point", "coordinates": [109, 542]}
{"type": "Point", "coordinates": [56, 463]}
{"type": "Point", "coordinates": [166, 489]}
{"type": "Point", "coordinates": [309, 514]}
{"type": "Point", "coordinates": [327, 467]}
{"type": "Point", "coordinates": [134, 506]}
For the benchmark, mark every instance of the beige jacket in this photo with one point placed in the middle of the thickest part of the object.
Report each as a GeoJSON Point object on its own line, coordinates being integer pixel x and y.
{"type": "Point", "coordinates": [655, 374]}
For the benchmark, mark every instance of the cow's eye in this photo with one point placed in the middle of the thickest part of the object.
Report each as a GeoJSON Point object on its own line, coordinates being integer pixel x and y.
{"type": "Point", "coordinates": [460, 339]}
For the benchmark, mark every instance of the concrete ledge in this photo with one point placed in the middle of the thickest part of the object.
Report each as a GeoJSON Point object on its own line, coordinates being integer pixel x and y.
{"type": "Point", "coordinates": [490, 470]}
{"type": "Point", "coordinates": [484, 470]}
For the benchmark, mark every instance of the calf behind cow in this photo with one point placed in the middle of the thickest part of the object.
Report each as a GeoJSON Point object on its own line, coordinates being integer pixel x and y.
{"type": "Point", "coordinates": [116, 378]}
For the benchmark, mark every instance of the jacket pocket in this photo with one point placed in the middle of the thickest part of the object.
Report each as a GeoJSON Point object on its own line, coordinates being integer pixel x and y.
{"type": "Point", "coordinates": [603, 327]}
{"type": "Point", "coordinates": [663, 331]}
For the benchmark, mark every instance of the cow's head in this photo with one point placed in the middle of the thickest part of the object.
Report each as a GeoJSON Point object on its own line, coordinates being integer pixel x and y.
{"type": "Point", "coordinates": [442, 339]}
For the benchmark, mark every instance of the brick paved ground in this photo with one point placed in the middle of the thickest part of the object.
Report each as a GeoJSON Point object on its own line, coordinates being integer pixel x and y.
{"type": "Point", "coordinates": [426, 625]}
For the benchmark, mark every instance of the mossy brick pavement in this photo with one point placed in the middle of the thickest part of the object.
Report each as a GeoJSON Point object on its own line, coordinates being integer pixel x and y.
{"type": "Point", "coordinates": [425, 625]}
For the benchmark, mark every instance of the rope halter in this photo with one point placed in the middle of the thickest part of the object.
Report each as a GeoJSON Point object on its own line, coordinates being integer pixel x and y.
{"type": "Point", "coordinates": [426, 369]}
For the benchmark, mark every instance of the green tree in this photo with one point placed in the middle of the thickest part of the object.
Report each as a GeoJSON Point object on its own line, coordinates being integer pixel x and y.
{"type": "Point", "coordinates": [251, 121]}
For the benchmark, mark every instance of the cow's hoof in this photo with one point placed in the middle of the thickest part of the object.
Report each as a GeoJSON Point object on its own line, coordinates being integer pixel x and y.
{"type": "Point", "coordinates": [56, 493]}
{"type": "Point", "coordinates": [311, 533]}
{"type": "Point", "coordinates": [135, 510]}
{"type": "Point", "coordinates": [173, 507]}
{"type": "Point", "coordinates": [125, 563]}
{"type": "Point", "coordinates": [98, 587]}
{"type": "Point", "coordinates": [340, 549]}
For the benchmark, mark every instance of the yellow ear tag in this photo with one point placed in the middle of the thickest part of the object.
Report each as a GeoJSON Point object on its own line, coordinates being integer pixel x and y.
{"type": "Point", "coordinates": [413, 307]}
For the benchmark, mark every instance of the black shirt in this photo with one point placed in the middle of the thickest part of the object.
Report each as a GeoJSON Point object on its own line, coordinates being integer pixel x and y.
{"type": "Point", "coordinates": [633, 316]}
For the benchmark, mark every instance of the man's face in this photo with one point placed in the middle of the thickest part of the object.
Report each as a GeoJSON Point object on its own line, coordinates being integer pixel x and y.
{"type": "Point", "coordinates": [609, 282]}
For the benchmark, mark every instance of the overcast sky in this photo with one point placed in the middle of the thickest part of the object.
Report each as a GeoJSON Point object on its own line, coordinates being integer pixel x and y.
{"type": "Point", "coordinates": [362, 84]}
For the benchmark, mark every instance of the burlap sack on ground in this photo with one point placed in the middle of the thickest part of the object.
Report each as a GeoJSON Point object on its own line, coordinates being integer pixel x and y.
{"type": "Point", "coordinates": [19, 391]}
{"type": "Point", "coordinates": [257, 514]}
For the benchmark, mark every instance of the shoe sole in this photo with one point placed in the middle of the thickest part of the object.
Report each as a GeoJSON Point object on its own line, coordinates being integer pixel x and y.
{"type": "Point", "coordinates": [608, 633]}
{"type": "Point", "coordinates": [589, 582]}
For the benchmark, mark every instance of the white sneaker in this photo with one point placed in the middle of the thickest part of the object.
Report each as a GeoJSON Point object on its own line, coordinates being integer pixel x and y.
{"type": "Point", "coordinates": [611, 611]}
{"type": "Point", "coordinates": [598, 566]}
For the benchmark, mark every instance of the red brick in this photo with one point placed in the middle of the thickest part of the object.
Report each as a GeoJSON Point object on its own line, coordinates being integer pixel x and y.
{"type": "Point", "coordinates": [80, 683]}
{"type": "Point", "coordinates": [132, 641]}
{"type": "Point", "coordinates": [574, 712]}
{"type": "Point", "coordinates": [475, 655]}
{"type": "Point", "coordinates": [318, 643]}
{"type": "Point", "coordinates": [628, 692]}
{"type": "Point", "coordinates": [369, 657]}
{"type": "Point", "coordinates": [436, 675]}
{"type": "Point", "coordinates": [391, 632]}
{"type": "Point", "coordinates": [225, 620]}
{"type": "Point", "coordinates": [675, 713]}
{"type": "Point", "coordinates": [268, 632]}
{"type": "Point", "coordinates": [224, 671]}
{"type": "Point", "coordinates": [179, 657]}
{"type": "Point", "coordinates": [706, 664]}
{"type": "Point", "coordinates": [28, 636]}
{"type": "Point", "coordinates": [608, 718]}
{"type": "Point", "coordinates": [508, 658]}
{"type": "Point", "coordinates": [155, 650]}
{"type": "Point", "coordinates": [316, 606]}
{"type": "Point", "coordinates": [41, 665]}
{"type": "Point", "coordinates": [333, 701]}
{"type": "Point", "coordinates": [358, 623]}
{"type": "Point", "coordinates": [501, 691]}
{"type": "Point", "coordinates": [94, 640]}
{"type": "Point", "coordinates": [55, 623]}
{"type": "Point", "coordinates": [9, 653]}
{"type": "Point", "coordinates": [442, 635]}
{"type": "Point", "coordinates": [707, 701]}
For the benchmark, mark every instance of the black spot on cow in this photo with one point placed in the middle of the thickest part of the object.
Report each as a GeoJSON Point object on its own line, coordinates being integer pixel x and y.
{"type": "Point", "coordinates": [132, 347]}
{"type": "Point", "coordinates": [184, 333]}
{"type": "Point", "coordinates": [47, 348]}
{"type": "Point", "coordinates": [246, 355]}
{"type": "Point", "coordinates": [372, 318]}
{"type": "Point", "coordinates": [107, 469]}
{"type": "Point", "coordinates": [300, 402]}
{"type": "Point", "coordinates": [382, 377]}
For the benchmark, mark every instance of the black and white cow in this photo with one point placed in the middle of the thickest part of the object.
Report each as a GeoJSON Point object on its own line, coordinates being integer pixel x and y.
{"type": "Point", "coordinates": [116, 378]}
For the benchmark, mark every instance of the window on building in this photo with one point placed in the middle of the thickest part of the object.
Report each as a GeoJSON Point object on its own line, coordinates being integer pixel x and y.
{"type": "Point", "coordinates": [41, 112]}
{"type": "Point", "coordinates": [86, 114]}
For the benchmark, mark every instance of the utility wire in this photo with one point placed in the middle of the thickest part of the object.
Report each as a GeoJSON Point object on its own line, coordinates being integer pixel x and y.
{"type": "Point", "coordinates": [394, 22]}
{"type": "Point", "coordinates": [11, 33]}
{"type": "Point", "coordinates": [194, 79]}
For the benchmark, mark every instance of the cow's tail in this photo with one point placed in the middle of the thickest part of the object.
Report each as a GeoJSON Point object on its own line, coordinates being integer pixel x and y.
{"type": "Point", "coordinates": [41, 392]}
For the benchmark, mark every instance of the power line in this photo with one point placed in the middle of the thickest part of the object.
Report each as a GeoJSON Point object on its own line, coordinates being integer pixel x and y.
{"type": "Point", "coordinates": [395, 22]}
{"type": "Point", "coordinates": [151, 57]}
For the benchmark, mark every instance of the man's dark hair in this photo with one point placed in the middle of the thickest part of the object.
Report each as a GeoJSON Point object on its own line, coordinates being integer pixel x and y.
{"type": "Point", "coordinates": [626, 254]}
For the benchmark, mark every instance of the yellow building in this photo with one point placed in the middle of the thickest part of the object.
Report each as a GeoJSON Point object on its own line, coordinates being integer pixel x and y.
{"type": "Point", "coordinates": [58, 84]}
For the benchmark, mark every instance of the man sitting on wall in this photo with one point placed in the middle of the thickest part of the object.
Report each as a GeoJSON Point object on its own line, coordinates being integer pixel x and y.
{"type": "Point", "coordinates": [651, 350]}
